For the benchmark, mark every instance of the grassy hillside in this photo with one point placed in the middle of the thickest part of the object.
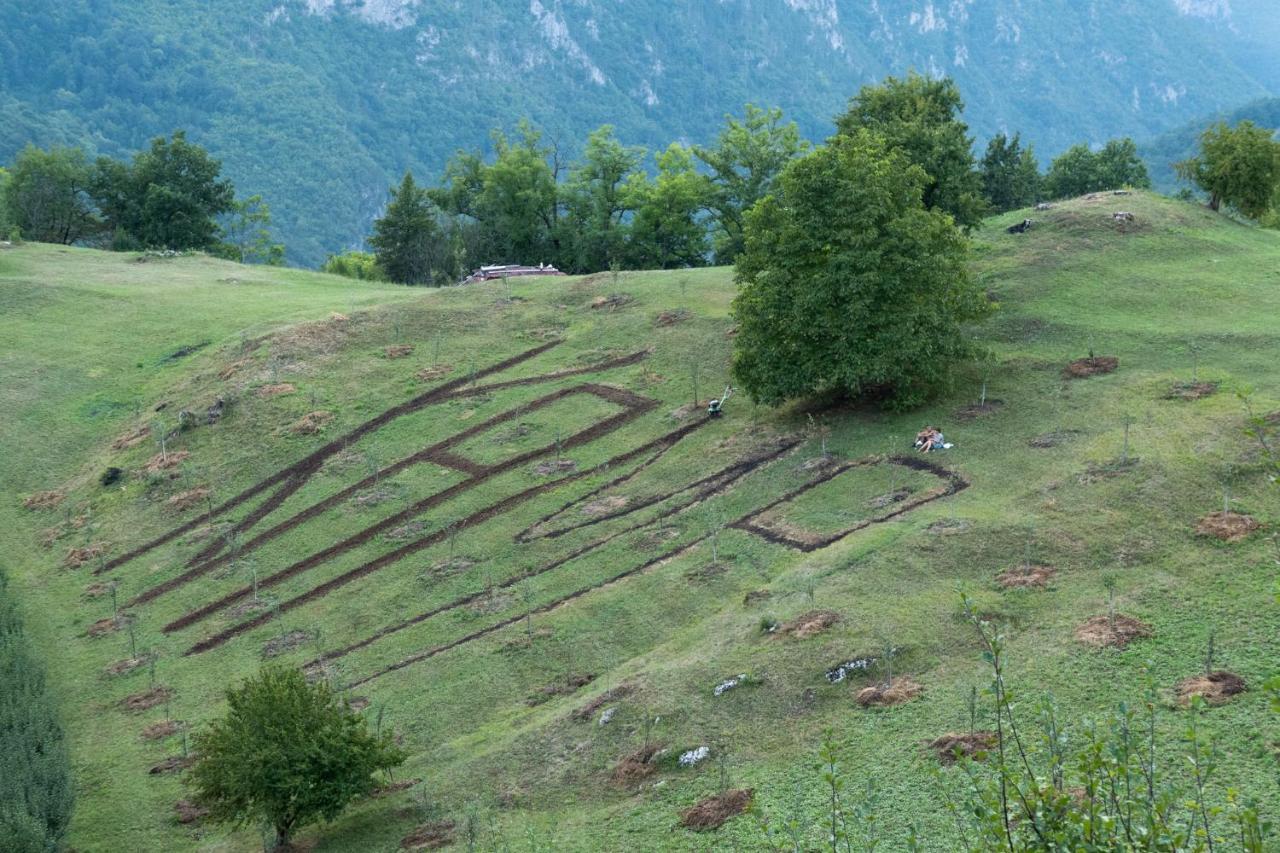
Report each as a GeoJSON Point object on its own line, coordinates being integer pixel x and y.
{"type": "Point", "coordinates": [570, 534]}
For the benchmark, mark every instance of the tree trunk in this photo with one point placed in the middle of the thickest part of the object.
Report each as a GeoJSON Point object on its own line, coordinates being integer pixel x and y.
{"type": "Point", "coordinates": [1215, 201]}
{"type": "Point", "coordinates": [284, 837]}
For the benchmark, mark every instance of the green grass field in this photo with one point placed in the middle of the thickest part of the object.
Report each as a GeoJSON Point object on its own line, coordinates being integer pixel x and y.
{"type": "Point", "coordinates": [466, 566]}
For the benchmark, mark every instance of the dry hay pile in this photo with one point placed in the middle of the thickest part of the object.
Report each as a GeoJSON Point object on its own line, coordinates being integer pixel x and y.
{"type": "Point", "coordinates": [166, 461]}
{"type": "Point", "coordinates": [883, 696]}
{"type": "Point", "coordinates": [186, 500]}
{"type": "Point", "coordinates": [161, 729]}
{"type": "Point", "coordinates": [712, 812]}
{"type": "Point", "coordinates": [77, 557]}
{"type": "Point", "coordinates": [1091, 366]}
{"type": "Point", "coordinates": [310, 423]}
{"type": "Point", "coordinates": [131, 439]}
{"type": "Point", "coordinates": [437, 371]}
{"type": "Point", "coordinates": [188, 812]}
{"type": "Point", "coordinates": [146, 700]}
{"type": "Point", "coordinates": [953, 746]}
{"type": "Point", "coordinates": [1191, 390]}
{"type": "Point", "coordinates": [810, 624]}
{"type": "Point", "coordinates": [1114, 632]}
{"type": "Point", "coordinates": [44, 500]}
{"type": "Point", "coordinates": [1026, 577]}
{"type": "Point", "coordinates": [1227, 526]}
{"type": "Point", "coordinates": [398, 350]}
{"type": "Point", "coordinates": [267, 392]}
{"type": "Point", "coordinates": [634, 768]}
{"type": "Point", "coordinates": [1215, 687]}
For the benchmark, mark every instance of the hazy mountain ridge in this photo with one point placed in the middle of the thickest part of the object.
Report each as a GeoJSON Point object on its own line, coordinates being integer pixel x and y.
{"type": "Point", "coordinates": [320, 104]}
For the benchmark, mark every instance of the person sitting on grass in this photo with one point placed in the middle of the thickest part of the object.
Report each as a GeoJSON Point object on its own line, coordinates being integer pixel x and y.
{"type": "Point", "coordinates": [930, 439]}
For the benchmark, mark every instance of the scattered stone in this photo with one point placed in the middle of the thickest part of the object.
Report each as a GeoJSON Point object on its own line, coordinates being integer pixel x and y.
{"type": "Point", "coordinates": [186, 500]}
{"type": "Point", "coordinates": [730, 684]}
{"type": "Point", "coordinates": [951, 747]}
{"type": "Point", "coordinates": [398, 350]}
{"type": "Point", "coordinates": [146, 700]}
{"type": "Point", "coordinates": [810, 624]}
{"type": "Point", "coordinates": [44, 500]}
{"type": "Point", "coordinates": [189, 812]}
{"type": "Point", "coordinates": [607, 716]}
{"type": "Point", "coordinates": [429, 836]}
{"type": "Point", "coordinates": [1104, 631]}
{"type": "Point", "coordinates": [1026, 577]}
{"type": "Point", "coordinates": [880, 695]}
{"type": "Point", "coordinates": [840, 672]}
{"type": "Point", "coordinates": [1094, 365]}
{"type": "Point", "coordinates": [1122, 216]}
{"type": "Point", "coordinates": [693, 757]}
{"type": "Point", "coordinates": [77, 557]}
{"type": "Point", "coordinates": [1216, 688]}
{"type": "Point", "coordinates": [267, 392]}
{"type": "Point", "coordinates": [1227, 526]}
{"type": "Point", "coordinates": [311, 423]}
{"type": "Point", "coordinates": [166, 461]}
{"type": "Point", "coordinates": [1191, 390]}
{"type": "Point", "coordinates": [284, 643]}
{"type": "Point", "coordinates": [712, 812]}
{"type": "Point", "coordinates": [634, 768]}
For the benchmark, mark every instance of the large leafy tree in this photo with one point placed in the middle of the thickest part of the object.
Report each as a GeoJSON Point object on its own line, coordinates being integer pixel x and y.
{"type": "Point", "coordinates": [36, 797]}
{"type": "Point", "coordinates": [1080, 170]}
{"type": "Point", "coordinates": [1237, 166]}
{"type": "Point", "coordinates": [170, 196]}
{"type": "Point", "coordinates": [47, 195]}
{"type": "Point", "coordinates": [597, 202]}
{"type": "Point", "coordinates": [668, 230]}
{"type": "Point", "coordinates": [848, 284]}
{"type": "Point", "coordinates": [747, 157]}
{"type": "Point", "coordinates": [287, 753]}
{"type": "Point", "coordinates": [920, 117]}
{"type": "Point", "coordinates": [408, 240]}
{"type": "Point", "coordinates": [1010, 175]}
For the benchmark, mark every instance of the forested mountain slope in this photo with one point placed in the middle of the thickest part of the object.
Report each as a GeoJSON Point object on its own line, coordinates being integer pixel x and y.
{"type": "Point", "coordinates": [320, 104]}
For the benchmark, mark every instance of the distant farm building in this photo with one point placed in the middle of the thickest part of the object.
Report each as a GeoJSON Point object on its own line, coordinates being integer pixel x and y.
{"type": "Point", "coordinates": [509, 271]}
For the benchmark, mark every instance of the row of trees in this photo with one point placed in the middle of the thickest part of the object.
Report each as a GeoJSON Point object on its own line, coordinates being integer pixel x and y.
{"type": "Point", "coordinates": [170, 196]}
{"type": "Point", "coordinates": [36, 797]}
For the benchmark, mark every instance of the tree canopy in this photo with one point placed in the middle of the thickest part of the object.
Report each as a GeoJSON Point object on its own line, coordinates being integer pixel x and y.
{"type": "Point", "coordinates": [1080, 170]}
{"type": "Point", "coordinates": [408, 241]}
{"type": "Point", "coordinates": [47, 196]}
{"type": "Point", "coordinates": [920, 116]}
{"type": "Point", "coordinates": [1010, 175]}
{"type": "Point", "coordinates": [1237, 166]}
{"type": "Point", "coordinates": [287, 753]}
{"type": "Point", "coordinates": [848, 284]}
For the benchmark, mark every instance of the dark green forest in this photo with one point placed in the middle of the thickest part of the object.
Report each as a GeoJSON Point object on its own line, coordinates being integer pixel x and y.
{"type": "Point", "coordinates": [320, 107]}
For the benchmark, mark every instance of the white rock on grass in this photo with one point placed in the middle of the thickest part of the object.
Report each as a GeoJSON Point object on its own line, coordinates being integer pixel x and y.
{"type": "Point", "coordinates": [607, 716]}
{"type": "Point", "coordinates": [726, 686]}
{"type": "Point", "coordinates": [694, 756]}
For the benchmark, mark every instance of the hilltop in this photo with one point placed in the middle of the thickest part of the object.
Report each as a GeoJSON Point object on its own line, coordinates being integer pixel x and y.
{"type": "Point", "coordinates": [493, 514]}
{"type": "Point", "coordinates": [320, 105]}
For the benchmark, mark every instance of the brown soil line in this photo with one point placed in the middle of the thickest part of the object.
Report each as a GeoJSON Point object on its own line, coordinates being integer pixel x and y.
{"type": "Point", "coordinates": [557, 563]}
{"type": "Point", "coordinates": [208, 559]}
{"type": "Point", "coordinates": [585, 436]}
{"type": "Point", "coordinates": [312, 461]}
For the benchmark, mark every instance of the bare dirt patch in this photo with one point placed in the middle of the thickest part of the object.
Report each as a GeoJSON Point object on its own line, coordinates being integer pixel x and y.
{"type": "Point", "coordinates": [188, 812]}
{"type": "Point", "coordinates": [1026, 577]}
{"type": "Point", "coordinates": [284, 643]}
{"type": "Point", "coordinates": [978, 410]}
{"type": "Point", "coordinates": [161, 729]}
{"type": "Point", "coordinates": [434, 372]}
{"type": "Point", "coordinates": [1191, 390]}
{"type": "Point", "coordinates": [398, 351]}
{"type": "Point", "coordinates": [1107, 632]}
{"type": "Point", "coordinates": [613, 694]}
{"type": "Point", "coordinates": [612, 302]}
{"type": "Point", "coordinates": [96, 590]}
{"type": "Point", "coordinates": [712, 812]}
{"type": "Point", "coordinates": [311, 423]}
{"type": "Point", "coordinates": [671, 318]}
{"type": "Point", "coordinates": [102, 627]}
{"type": "Point", "coordinates": [1216, 688]}
{"type": "Point", "coordinates": [1052, 439]}
{"type": "Point", "coordinates": [810, 624]}
{"type": "Point", "coordinates": [146, 700]}
{"type": "Point", "coordinates": [125, 665]}
{"type": "Point", "coordinates": [429, 836]}
{"type": "Point", "coordinates": [77, 557]}
{"type": "Point", "coordinates": [280, 389]}
{"type": "Point", "coordinates": [566, 686]}
{"type": "Point", "coordinates": [635, 767]}
{"type": "Point", "coordinates": [131, 439]}
{"type": "Point", "coordinates": [756, 596]}
{"type": "Point", "coordinates": [555, 466]}
{"type": "Point", "coordinates": [1094, 365]}
{"type": "Point", "coordinates": [186, 500]}
{"type": "Point", "coordinates": [172, 764]}
{"type": "Point", "coordinates": [167, 461]}
{"type": "Point", "coordinates": [1227, 526]}
{"type": "Point", "coordinates": [604, 506]}
{"type": "Point", "coordinates": [953, 746]}
{"type": "Point", "coordinates": [883, 696]}
{"type": "Point", "coordinates": [44, 500]}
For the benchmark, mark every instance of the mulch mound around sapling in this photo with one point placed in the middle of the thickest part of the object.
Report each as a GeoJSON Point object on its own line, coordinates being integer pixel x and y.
{"type": "Point", "coordinates": [634, 768]}
{"type": "Point", "coordinates": [77, 557]}
{"type": "Point", "coordinates": [96, 590]}
{"type": "Point", "coordinates": [613, 301]}
{"type": "Point", "coordinates": [183, 501]}
{"type": "Point", "coordinates": [437, 371]}
{"type": "Point", "coordinates": [120, 667]}
{"type": "Point", "coordinates": [670, 318]}
{"type": "Point", "coordinates": [1094, 365]}
{"type": "Point", "coordinates": [162, 462]}
{"type": "Point", "coordinates": [310, 423]}
{"type": "Point", "coordinates": [953, 746]}
{"type": "Point", "coordinates": [555, 466]}
{"type": "Point", "coordinates": [978, 410]}
{"type": "Point", "coordinates": [146, 700]}
{"type": "Point", "coordinates": [566, 686]}
{"type": "Point", "coordinates": [613, 694]}
{"type": "Point", "coordinates": [1216, 688]}
{"type": "Point", "coordinates": [1191, 390]}
{"type": "Point", "coordinates": [172, 764]}
{"type": "Point", "coordinates": [809, 624]}
{"type": "Point", "coordinates": [131, 439]}
{"type": "Point", "coordinates": [1106, 632]}
{"type": "Point", "coordinates": [398, 350]}
{"type": "Point", "coordinates": [712, 812]}
{"type": "Point", "coordinates": [604, 506]}
{"type": "Point", "coordinates": [429, 836]}
{"type": "Point", "coordinates": [44, 500]}
{"type": "Point", "coordinates": [881, 696]}
{"type": "Point", "coordinates": [284, 643]}
{"type": "Point", "coordinates": [1026, 577]}
{"type": "Point", "coordinates": [161, 729]}
{"type": "Point", "coordinates": [267, 392]}
{"type": "Point", "coordinates": [1053, 439]}
{"type": "Point", "coordinates": [1227, 526]}
{"type": "Point", "coordinates": [188, 812]}
{"type": "Point", "coordinates": [102, 627]}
